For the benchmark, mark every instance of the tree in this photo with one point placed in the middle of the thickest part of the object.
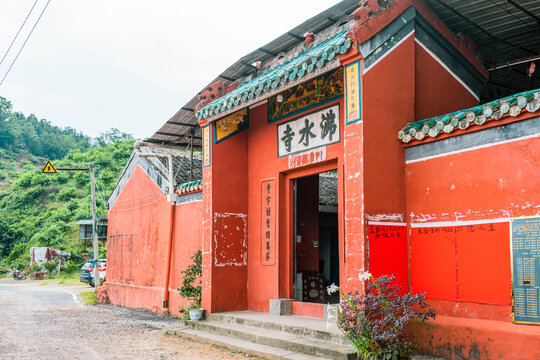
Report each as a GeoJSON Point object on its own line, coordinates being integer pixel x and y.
{"type": "Point", "coordinates": [8, 237]}
{"type": "Point", "coordinates": [112, 136]}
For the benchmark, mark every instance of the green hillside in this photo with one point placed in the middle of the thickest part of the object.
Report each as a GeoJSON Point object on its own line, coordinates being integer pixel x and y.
{"type": "Point", "coordinates": [41, 209]}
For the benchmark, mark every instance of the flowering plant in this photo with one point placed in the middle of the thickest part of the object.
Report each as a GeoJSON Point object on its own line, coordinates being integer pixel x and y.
{"type": "Point", "coordinates": [375, 322]}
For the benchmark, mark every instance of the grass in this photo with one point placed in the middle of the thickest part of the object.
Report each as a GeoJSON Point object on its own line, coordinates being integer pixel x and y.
{"type": "Point", "coordinates": [62, 279]}
{"type": "Point", "coordinates": [89, 297]}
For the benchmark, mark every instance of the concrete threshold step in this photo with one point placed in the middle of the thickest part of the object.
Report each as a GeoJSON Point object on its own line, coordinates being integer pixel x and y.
{"type": "Point", "coordinates": [296, 343]}
{"type": "Point", "coordinates": [263, 351]}
{"type": "Point", "coordinates": [296, 325]}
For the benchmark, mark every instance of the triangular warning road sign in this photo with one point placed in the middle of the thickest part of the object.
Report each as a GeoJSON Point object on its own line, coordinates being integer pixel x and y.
{"type": "Point", "coordinates": [49, 169]}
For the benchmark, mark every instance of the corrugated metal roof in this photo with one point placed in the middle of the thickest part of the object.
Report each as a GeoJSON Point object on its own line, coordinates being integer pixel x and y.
{"type": "Point", "coordinates": [505, 31]}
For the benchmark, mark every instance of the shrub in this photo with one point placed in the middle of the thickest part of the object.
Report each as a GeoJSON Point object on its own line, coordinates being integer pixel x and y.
{"type": "Point", "coordinates": [51, 266]}
{"type": "Point", "coordinates": [35, 268]}
{"type": "Point", "coordinates": [71, 267]}
{"type": "Point", "coordinates": [191, 284]}
{"type": "Point", "coordinates": [375, 322]}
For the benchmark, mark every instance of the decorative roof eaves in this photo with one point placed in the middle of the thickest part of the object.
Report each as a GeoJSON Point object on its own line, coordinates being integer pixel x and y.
{"type": "Point", "coordinates": [528, 101]}
{"type": "Point", "coordinates": [298, 65]}
{"type": "Point", "coordinates": [189, 187]}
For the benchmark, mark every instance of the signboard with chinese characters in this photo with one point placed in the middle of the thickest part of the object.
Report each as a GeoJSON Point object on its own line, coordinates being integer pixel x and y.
{"type": "Point", "coordinates": [206, 145]}
{"type": "Point", "coordinates": [231, 124]}
{"type": "Point", "coordinates": [310, 131]}
{"type": "Point", "coordinates": [307, 158]}
{"type": "Point", "coordinates": [525, 233]}
{"type": "Point", "coordinates": [317, 91]}
{"type": "Point", "coordinates": [352, 92]}
{"type": "Point", "coordinates": [268, 222]}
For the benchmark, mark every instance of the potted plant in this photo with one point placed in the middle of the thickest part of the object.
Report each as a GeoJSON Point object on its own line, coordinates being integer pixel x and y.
{"type": "Point", "coordinates": [195, 311]}
{"type": "Point", "coordinates": [192, 289]}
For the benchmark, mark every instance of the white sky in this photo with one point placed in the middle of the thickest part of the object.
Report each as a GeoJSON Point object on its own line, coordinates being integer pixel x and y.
{"type": "Point", "coordinates": [131, 64]}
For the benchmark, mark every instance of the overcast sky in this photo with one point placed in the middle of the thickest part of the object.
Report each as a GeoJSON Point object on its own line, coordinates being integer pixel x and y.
{"type": "Point", "coordinates": [131, 64]}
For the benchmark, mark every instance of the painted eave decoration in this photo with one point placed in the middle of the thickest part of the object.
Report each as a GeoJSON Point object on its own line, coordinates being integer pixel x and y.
{"type": "Point", "coordinates": [231, 124]}
{"type": "Point", "coordinates": [514, 105]}
{"type": "Point", "coordinates": [316, 57]}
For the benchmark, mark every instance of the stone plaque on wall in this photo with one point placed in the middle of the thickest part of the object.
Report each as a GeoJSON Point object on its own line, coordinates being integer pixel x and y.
{"type": "Point", "coordinates": [525, 233]}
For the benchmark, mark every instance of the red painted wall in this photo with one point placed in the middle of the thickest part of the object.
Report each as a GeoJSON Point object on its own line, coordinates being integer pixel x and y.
{"type": "Point", "coordinates": [137, 245]}
{"type": "Point", "coordinates": [437, 91]}
{"type": "Point", "coordinates": [225, 219]}
{"type": "Point", "coordinates": [465, 268]}
{"type": "Point", "coordinates": [388, 100]}
{"type": "Point", "coordinates": [499, 181]}
{"type": "Point", "coordinates": [503, 184]}
{"type": "Point", "coordinates": [187, 240]}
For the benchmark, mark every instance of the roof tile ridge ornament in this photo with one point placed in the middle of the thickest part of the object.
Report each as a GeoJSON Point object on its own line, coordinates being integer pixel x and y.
{"type": "Point", "coordinates": [365, 10]}
{"type": "Point", "coordinates": [373, 15]}
{"type": "Point", "coordinates": [514, 105]}
{"type": "Point", "coordinates": [299, 64]}
{"type": "Point", "coordinates": [321, 36]}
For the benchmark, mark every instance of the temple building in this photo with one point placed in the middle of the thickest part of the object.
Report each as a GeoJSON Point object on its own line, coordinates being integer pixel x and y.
{"type": "Point", "coordinates": [365, 139]}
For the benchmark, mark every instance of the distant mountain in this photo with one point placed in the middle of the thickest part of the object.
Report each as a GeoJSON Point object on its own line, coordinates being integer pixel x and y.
{"type": "Point", "coordinates": [41, 209]}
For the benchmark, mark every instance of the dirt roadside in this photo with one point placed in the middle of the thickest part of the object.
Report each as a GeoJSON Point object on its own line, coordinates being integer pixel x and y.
{"type": "Point", "coordinates": [50, 322]}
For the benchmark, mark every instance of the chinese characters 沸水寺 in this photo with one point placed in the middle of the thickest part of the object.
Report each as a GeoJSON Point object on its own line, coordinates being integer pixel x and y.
{"type": "Point", "coordinates": [310, 131]}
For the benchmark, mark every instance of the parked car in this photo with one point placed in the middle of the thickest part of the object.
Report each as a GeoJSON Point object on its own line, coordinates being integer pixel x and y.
{"type": "Point", "coordinates": [87, 275]}
{"type": "Point", "coordinates": [102, 266]}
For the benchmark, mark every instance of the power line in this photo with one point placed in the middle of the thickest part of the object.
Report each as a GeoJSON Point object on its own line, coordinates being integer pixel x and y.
{"type": "Point", "coordinates": [22, 47]}
{"type": "Point", "coordinates": [15, 38]}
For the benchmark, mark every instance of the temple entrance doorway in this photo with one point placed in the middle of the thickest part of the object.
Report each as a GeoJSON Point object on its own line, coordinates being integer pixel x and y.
{"type": "Point", "coordinates": [316, 237]}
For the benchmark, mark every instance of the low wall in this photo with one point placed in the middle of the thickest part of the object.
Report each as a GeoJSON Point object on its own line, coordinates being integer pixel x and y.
{"type": "Point", "coordinates": [137, 245]}
{"type": "Point", "coordinates": [461, 197]}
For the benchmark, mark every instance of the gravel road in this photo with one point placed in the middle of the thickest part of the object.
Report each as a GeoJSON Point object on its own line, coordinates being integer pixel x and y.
{"type": "Point", "coordinates": [49, 322]}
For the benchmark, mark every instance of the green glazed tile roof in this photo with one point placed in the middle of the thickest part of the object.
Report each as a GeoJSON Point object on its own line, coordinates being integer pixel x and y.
{"type": "Point", "coordinates": [279, 76]}
{"type": "Point", "coordinates": [189, 187]}
{"type": "Point", "coordinates": [528, 101]}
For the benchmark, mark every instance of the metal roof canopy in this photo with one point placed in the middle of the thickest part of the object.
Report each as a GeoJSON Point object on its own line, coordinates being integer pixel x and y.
{"type": "Point", "coordinates": [507, 33]}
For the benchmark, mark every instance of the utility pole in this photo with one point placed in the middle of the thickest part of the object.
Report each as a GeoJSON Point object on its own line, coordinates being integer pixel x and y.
{"type": "Point", "coordinates": [49, 169]}
{"type": "Point", "coordinates": [94, 227]}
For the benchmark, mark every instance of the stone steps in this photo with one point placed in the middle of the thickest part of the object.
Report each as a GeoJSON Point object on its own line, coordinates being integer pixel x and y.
{"type": "Point", "coordinates": [263, 351]}
{"type": "Point", "coordinates": [296, 325]}
{"type": "Point", "coordinates": [276, 339]}
{"type": "Point", "coordinates": [272, 336]}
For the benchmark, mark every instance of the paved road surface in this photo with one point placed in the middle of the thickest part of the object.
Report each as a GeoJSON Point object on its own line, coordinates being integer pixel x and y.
{"type": "Point", "coordinates": [49, 322]}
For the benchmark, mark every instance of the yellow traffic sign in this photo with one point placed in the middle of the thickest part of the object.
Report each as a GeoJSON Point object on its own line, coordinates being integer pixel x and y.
{"type": "Point", "coordinates": [49, 169]}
